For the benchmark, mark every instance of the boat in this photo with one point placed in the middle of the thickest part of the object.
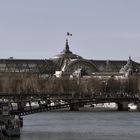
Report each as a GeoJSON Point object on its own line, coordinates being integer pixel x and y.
{"type": "Point", "coordinates": [111, 105]}
{"type": "Point", "coordinates": [10, 124]}
{"type": "Point", "coordinates": [132, 106]}
{"type": "Point", "coordinates": [12, 127]}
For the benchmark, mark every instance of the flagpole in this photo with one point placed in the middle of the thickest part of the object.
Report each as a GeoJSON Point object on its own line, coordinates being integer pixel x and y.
{"type": "Point", "coordinates": [68, 35]}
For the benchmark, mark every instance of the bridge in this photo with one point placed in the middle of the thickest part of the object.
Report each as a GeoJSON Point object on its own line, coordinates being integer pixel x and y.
{"type": "Point", "coordinates": [28, 103]}
{"type": "Point", "coordinates": [23, 104]}
{"type": "Point", "coordinates": [73, 104]}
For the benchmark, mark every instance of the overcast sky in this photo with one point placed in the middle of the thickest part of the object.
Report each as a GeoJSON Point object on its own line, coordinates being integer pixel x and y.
{"type": "Point", "coordinates": [101, 29]}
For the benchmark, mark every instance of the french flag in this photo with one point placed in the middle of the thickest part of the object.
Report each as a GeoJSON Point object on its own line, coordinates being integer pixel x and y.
{"type": "Point", "coordinates": [69, 34]}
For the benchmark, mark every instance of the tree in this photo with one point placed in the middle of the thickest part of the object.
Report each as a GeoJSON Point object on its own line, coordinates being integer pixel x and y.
{"type": "Point", "coordinates": [130, 85]}
{"type": "Point", "coordinates": [113, 85]}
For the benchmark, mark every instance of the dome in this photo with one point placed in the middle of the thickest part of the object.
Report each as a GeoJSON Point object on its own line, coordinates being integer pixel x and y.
{"type": "Point", "coordinates": [64, 58]}
{"type": "Point", "coordinates": [129, 67]}
{"type": "Point", "coordinates": [66, 54]}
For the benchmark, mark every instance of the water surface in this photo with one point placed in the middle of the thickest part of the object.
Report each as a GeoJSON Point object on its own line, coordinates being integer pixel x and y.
{"type": "Point", "coordinates": [82, 125]}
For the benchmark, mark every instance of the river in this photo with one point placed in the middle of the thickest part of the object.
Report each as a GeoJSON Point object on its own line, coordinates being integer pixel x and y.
{"type": "Point", "coordinates": [82, 125]}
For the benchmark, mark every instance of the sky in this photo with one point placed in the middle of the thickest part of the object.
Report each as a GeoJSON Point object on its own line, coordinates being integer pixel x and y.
{"type": "Point", "coordinates": [101, 29]}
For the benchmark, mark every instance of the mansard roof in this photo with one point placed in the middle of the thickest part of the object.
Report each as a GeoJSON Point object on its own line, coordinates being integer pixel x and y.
{"type": "Point", "coordinates": [114, 65]}
{"type": "Point", "coordinates": [39, 66]}
{"type": "Point", "coordinates": [49, 67]}
{"type": "Point", "coordinates": [109, 65]}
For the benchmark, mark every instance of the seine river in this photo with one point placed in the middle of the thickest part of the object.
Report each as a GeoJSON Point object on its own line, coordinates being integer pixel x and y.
{"type": "Point", "coordinates": [82, 125]}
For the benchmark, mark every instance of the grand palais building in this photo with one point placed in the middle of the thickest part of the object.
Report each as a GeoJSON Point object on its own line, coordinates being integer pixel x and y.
{"type": "Point", "coordinates": [68, 63]}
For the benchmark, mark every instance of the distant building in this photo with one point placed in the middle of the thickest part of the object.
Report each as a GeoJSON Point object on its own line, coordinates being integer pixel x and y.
{"type": "Point", "coordinates": [68, 63]}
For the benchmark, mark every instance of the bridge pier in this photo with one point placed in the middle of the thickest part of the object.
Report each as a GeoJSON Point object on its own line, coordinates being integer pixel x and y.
{"type": "Point", "coordinates": [122, 106]}
{"type": "Point", "coordinates": [74, 105]}
{"type": "Point", "coordinates": [21, 121]}
{"type": "Point", "coordinates": [138, 106]}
